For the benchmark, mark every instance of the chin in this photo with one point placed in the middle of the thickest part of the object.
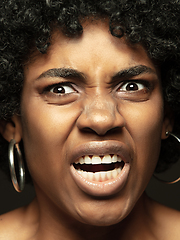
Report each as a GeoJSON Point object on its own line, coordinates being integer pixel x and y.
{"type": "Point", "coordinates": [102, 222]}
{"type": "Point", "coordinates": [102, 218]}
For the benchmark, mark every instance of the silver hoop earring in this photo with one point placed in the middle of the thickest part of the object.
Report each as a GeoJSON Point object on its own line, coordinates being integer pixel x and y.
{"type": "Point", "coordinates": [18, 186]}
{"type": "Point", "coordinates": [173, 135]}
{"type": "Point", "coordinates": [178, 179]}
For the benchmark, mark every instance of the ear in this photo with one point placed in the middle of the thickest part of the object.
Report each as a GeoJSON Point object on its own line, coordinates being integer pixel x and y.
{"type": "Point", "coordinates": [11, 129]}
{"type": "Point", "coordinates": [168, 122]}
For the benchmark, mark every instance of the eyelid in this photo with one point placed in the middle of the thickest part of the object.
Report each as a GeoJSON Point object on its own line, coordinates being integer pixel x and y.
{"type": "Point", "coordinates": [51, 86]}
{"type": "Point", "coordinates": [146, 83]}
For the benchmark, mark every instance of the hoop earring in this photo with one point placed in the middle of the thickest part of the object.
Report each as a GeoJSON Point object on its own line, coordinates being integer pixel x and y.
{"type": "Point", "coordinates": [173, 135]}
{"type": "Point", "coordinates": [18, 186]}
{"type": "Point", "coordinates": [178, 179]}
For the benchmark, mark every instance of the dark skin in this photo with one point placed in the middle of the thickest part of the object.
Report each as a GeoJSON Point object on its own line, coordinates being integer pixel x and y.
{"type": "Point", "coordinates": [85, 98]}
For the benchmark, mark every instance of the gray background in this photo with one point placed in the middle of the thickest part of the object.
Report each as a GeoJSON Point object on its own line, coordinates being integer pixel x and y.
{"type": "Point", "coordinates": [163, 193]}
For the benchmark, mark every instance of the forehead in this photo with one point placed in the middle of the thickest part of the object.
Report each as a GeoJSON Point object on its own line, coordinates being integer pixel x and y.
{"type": "Point", "coordinates": [95, 50]}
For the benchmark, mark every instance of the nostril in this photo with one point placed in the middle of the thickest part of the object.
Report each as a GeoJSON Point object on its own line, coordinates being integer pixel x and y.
{"type": "Point", "coordinates": [88, 130]}
{"type": "Point", "coordinates": [114, 130]}
{"type": "Point", "coordinates": [100, 121]}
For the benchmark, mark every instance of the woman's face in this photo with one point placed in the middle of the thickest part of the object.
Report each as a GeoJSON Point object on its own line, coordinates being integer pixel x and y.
{"type": "Point", "coordinates": [92, 118]}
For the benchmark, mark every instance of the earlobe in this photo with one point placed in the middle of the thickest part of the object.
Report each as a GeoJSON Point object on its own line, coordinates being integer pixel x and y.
{"type": "Point", "coordinates": [11, 129]}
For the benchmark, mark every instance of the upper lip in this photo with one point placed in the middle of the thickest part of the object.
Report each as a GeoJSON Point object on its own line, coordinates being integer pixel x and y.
{"type": "Point", "coordinates": [102, 148]}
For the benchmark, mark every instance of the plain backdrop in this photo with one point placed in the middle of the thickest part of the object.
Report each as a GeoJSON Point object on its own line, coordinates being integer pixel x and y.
{"type": "Point", "coordinates": [163, 193]}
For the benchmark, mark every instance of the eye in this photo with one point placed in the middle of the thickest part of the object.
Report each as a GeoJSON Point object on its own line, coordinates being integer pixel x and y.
{"type": "Point", "coordinates": [60, 93]}
{"type": "Point", "coordinates": [132, 86]}
{"type": "Point", "coordinates": [62, 89]}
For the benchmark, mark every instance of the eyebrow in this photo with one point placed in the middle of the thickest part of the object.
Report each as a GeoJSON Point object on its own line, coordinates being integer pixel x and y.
{"type": "Point", "coordinates": [133, 71]}
{"type": "Point", "coordinates": [73, 73]}
{"type": "Point", "coordinates": [61, 72]}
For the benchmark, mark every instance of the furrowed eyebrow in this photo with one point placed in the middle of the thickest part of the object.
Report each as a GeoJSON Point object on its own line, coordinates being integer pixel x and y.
{"type": "Point", "coordinates": [61, 73]}
{"type": "Point", "coordinates": [72, 73]}
{"type": "Point", "coordinates": [132, 72]}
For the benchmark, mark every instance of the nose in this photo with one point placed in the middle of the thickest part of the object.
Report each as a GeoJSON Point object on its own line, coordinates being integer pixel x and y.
{"type": "Point", "coordinates": [100, 115]}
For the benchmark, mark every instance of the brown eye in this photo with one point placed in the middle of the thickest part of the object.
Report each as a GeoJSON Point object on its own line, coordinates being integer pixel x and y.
{"type": "Point", "coordinates": [132, 86]}
{"type": "Point", "coordinates": [62, 89]}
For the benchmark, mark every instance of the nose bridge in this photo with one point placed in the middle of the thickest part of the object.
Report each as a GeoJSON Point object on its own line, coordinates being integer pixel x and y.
{"type": "Point", "coordinates": [100, 114]}
{"type": "Point", "coordinates": [99, 106]}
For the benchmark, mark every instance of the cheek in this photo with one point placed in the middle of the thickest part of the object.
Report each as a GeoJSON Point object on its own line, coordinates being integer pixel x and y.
{"type": "Point", "coordinates": [45, 137]}
{"type": "Point", "coordinates": [145, 126]}
{"type": "Point", "coordinates": [46, 129]}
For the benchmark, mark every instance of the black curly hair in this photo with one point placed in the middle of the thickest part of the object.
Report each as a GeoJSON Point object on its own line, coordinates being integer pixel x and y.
{"type": "Point", "coordinates": [26, 26]}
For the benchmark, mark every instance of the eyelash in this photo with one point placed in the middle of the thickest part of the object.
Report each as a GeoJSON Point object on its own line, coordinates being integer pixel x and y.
{"type": "Point", "coordinates": [144, 83]}
{"type": "Point", "coordinates": [59, 85]}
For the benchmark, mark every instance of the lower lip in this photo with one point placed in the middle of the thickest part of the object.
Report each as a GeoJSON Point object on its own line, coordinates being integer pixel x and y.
{"type": "Point", "coordinates": [101, 189]}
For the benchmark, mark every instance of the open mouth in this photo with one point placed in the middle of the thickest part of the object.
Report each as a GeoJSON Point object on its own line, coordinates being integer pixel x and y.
{"type": "Point", "coordinates": [99, 168]}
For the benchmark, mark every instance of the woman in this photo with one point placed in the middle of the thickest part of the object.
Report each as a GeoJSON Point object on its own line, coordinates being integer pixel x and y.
{"type": "Point", "coordinates": [90, 95]}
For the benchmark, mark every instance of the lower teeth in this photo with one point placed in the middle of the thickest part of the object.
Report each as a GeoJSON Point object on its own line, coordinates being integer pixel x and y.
{"type": "Point", "coordinates": [100, 176]}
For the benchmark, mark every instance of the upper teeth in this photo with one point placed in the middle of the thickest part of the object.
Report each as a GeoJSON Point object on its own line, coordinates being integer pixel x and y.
{"type": "Point", "coordinates": [95, 159]}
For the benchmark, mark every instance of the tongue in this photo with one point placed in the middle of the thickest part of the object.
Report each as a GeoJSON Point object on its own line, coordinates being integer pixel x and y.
{"type": "Point", "coordinates": [98, 167]}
